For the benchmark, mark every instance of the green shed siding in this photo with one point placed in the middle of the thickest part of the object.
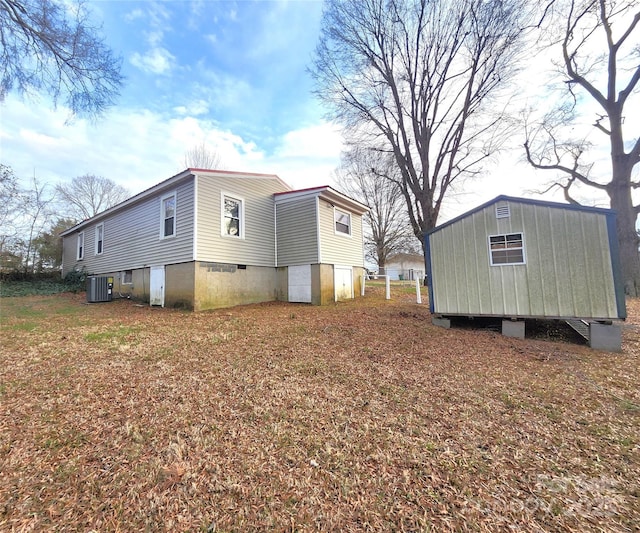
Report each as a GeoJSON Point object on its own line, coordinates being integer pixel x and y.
{"type": "Point", "coordinates": [567, 271]}
{"type": "Point", "coordinates": [257, 248]}
{"type": "Point", "coordinates": [132, 236]}
{"type": "Point", "coordinates": [336, 248]}
{"type": "Point", "coordinates": [297, 231]}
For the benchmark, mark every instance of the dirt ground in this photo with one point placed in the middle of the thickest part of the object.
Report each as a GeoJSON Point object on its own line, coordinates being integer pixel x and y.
{"type": "Point", "coordinates": [360, 416]}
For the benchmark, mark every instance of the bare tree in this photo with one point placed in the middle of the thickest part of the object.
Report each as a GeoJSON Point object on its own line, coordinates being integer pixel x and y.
{"type": "Point", "coordinates": [10, 202]}
{"type": "Point", "coordinates": [599, 50]}
{"type": "Point", "coordinates": [89, 195]}
{"type": "Point", "coordinates": [364, 175]}
{"type": "Point", "coordinates": [51, 46]}
{"type": "Point", "coordinates": [415, 78]}
{"type": "Point", "coordinates": [37, 213]}
{"type": "Point", "coordinates": [201, 156]}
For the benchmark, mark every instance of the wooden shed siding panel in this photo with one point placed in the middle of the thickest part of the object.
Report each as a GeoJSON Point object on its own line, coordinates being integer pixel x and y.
{"type": "Point", "coordinates": [339, 249]}
{"type": "Point", "coordinates": [567, 270]}
{"type": "Point", "coordinates": [297, 232]}
{"type": "Point", "coordinates": [132, 236]}
{"type": "Point", "coordinates": [258, 246]}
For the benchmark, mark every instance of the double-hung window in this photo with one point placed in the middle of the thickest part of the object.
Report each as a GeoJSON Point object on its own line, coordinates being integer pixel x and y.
{"type": "Point", "coordinates": [80, 246]}
{"type": "Point", "coordinates": [232, 216]}
{"type": "Point", "coordinates": [342, 221]}
{"type": "Point", "coordinates": [168, 215]}
{"type": "Point", "coordinates": [99, 239]}
{"type": "Point", "coordinates": [506, 249]}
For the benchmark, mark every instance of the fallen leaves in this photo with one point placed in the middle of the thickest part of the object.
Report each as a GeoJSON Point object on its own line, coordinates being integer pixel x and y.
{"type": "Point", "coordinates": [360, 416]}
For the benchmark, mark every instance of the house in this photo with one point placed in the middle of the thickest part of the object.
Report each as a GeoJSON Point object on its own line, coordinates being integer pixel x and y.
{"type": "Point", "coordinates": [206, 239]}
{"type": "Point", "coordinates": [405, 266]}
{"type": "Point", "coordinates": [517, 258]}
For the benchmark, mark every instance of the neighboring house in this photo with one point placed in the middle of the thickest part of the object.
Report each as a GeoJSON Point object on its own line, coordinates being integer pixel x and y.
{"type": "Point", "coordinates": [405, 266]}
{"type": "Point", "coordinates": [517, 258]}
{"type": "Point", "coordinates": [207, 239]}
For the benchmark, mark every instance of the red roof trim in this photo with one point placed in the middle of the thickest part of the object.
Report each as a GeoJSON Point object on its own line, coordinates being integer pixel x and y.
{"type": "Point", "coordinates": [303, 190]}
{"type": "Point", "coordinates": [234, 172]}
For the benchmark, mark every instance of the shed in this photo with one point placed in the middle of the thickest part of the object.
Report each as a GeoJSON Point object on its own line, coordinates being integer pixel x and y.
{"type": "Point", "coordinates": [404, 265]}
{"type": "Point", "coordinates": [520, 259]}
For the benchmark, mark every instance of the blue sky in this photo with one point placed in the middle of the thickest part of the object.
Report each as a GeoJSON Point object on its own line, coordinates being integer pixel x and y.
{"type": "Point", "coordinates": [231, 74]}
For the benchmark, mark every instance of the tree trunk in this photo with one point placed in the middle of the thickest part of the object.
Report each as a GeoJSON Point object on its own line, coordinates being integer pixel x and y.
{"type": "Point", "coordinates": [628, 238]}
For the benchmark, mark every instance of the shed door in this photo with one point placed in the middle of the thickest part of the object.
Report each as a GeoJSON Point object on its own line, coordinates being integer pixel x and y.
{"type": "Point", "coordinates": [299, 283]}
{"type": "Point", "coordinates": [156, 286]}
{"type": "Point", "coordinates": [343, 280]}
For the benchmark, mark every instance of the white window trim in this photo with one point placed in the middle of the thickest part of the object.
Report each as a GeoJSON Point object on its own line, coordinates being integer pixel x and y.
{"type": "Point", "coordinates": [524, 256]}
{"type": "Point", "coordinates": [101, 225]}
{"type": "Point", "coordinates": [162, 213]}
{"type": "Point", "coordinates": [80, 249]}
{"type": "Point", "coordinates": [335, 230]}
{"type": "Point", "coordinates": [237, 198]}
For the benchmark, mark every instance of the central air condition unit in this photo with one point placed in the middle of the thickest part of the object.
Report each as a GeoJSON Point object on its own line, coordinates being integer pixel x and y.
{"type": "Point", "coordinates": [99, 289]}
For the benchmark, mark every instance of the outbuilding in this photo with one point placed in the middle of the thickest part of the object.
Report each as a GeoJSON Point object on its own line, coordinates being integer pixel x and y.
{"type": "Point", "coordinates": [521, 259]}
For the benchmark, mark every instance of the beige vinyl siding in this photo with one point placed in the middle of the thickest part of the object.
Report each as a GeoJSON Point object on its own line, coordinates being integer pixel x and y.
{"type": "Point", "coordinates": [339, 249]}
{"type": "Point", "coordinates": [567, 270]}
{"type": "Point", "coordinates": [132, 236]}
{"type": "Point", "coordinates": [257, 248]}
{"type": "Point", "coordinates": [297, 232]}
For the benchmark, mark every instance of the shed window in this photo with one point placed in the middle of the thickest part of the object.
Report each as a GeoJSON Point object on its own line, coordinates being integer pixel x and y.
{"type": "Point", "coordinates": [232, 217]}
{"type": "Point", "coordinates": [80, 249]}
{"type": "Point", "coordinates": [343, 222]}
{"type": "Point", "coordinates": [99, 238]}
{"type": "Point", "coordinates": [506, 249]}
{"type": "Point", "coordinates": [168, 216]}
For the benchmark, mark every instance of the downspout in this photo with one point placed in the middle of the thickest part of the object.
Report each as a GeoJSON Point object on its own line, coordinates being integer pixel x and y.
{"type": "Point", "coordinates": [318, 230]}
{"type": "Point", "coordinates": [275, 232]}
{"type": "Point", "coordinates": [195, 217]}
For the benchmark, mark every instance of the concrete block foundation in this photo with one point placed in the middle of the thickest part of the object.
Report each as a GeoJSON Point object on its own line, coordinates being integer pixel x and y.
{"type": "Point", "coordinates": [513, 328]}
{"type": "Point", "coordinates": [606, 337]}
{"type": "Point", "coordinates": [441, 322]}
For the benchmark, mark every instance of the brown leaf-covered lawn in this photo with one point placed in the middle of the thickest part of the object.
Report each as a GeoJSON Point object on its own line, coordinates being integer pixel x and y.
{"type": "Point", "coordinates": [356, 417]}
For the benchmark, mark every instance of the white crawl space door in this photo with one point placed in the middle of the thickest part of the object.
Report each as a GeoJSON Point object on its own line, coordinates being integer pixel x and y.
{"type": "Point", "coordinates": [343, 280]}
{"type": "Point", "coordinates": [156, 286]}
{"type": "Point", "coordinates": [299, 283]}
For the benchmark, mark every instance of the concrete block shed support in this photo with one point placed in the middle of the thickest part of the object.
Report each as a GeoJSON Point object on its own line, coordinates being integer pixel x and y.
{"type": "Point", "coordinates": [606, 337]}
{"type": "Point", "coordinates": [441, 322]}
{"type": "Point", "coordinates": [513, 328]}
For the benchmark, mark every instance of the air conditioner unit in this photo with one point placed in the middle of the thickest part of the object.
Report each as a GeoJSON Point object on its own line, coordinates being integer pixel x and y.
{"type": "Point", "coordinates": [99, 289]}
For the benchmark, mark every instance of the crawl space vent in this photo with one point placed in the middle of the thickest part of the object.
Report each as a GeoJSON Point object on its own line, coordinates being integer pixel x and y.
{"type": "Point", "coordinates": [502, 211]}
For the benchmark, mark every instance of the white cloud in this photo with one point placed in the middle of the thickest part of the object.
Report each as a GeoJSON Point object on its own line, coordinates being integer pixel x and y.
{"type": "Point", "coordinates": [321, 140]}
{"type": "Point", "coordinates": [134, 148]}
{"type": "Point", "coordinates": [133, 15]}
{"type": "Point", "coordinates": [155, 61]}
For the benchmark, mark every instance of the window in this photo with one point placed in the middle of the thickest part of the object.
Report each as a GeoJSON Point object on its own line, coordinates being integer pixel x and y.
{"type": "Point", "coordinates": [99, 238]}
{"type": "Point", "coordinates": [342, 221]}
{"type": "Point", "coordinates": [232, 217]}
{"type": "Point", "coordinates": [168, 218]}
{"type": "Point", "coordinates": [127, 277]}
{"type": "Point", "coordinates": [506, 249]}
{"type": "Point", "coordinates": [80, 250]}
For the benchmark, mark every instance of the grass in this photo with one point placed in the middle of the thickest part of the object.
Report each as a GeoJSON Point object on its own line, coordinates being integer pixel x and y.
{"type": "Point", "coordinates": [360, 416]}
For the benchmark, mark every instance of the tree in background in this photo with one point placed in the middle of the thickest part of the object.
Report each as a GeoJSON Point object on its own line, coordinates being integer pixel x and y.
{"type": "Point", "coordinates": [51, 46]}
{"type": "Point", "coordinates": [364, 175]}
{"type": "Point", "coordinates": [10, 204]}
{"type": "Point", "coordinates": [599, 54]}
{"type": "Point", "coordinates": [48, 244]}
{"type": "Point", "coordinates": [201, 156]}
{"type": "Point", "coordinates": [417, 79]}
{"type": "Point", "coordinates": [89, 195]}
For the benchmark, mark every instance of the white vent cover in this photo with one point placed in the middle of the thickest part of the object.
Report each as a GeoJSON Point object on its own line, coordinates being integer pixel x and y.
{"type": "Point", "coordinates": [502, 211]}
